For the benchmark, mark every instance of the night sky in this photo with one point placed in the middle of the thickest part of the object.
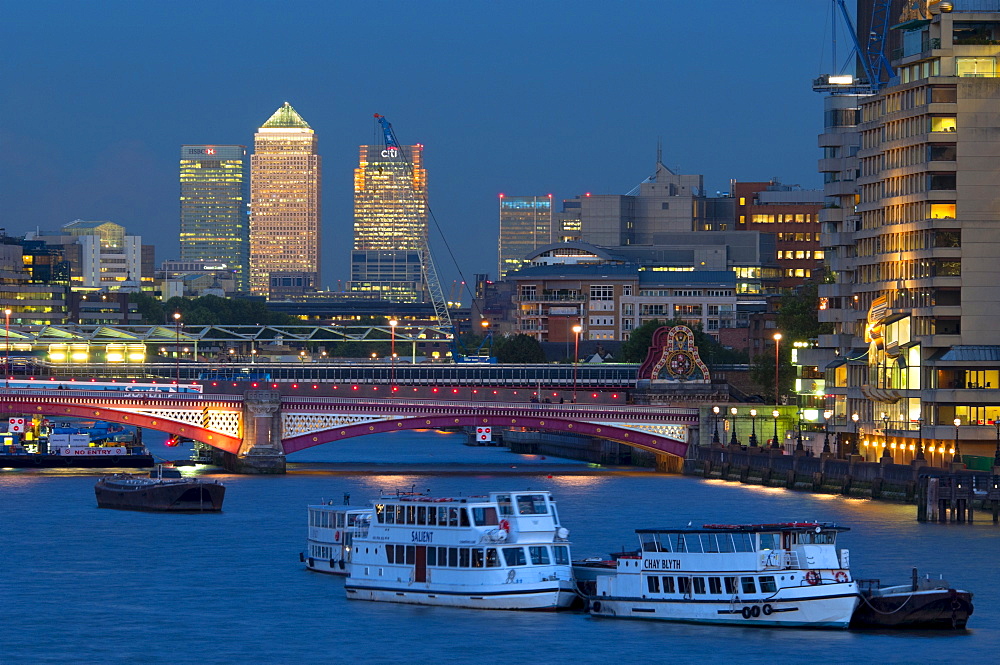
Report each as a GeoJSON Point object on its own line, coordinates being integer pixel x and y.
{"type": "Point", "coordinates": [515, 97]}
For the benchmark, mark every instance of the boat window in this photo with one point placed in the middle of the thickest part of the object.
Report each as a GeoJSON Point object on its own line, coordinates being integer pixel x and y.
{"type": "Point", "coordinates": [684, 584]}
{"type": "Point", "coordinates": [743, 542]}
{"type": "Point", "coordinates": [400, 514]}
{"type": "Point", "coordinates": [442, 556]}
{"type": "Point", "coordinates": [699, 585]}
{"type": "Point", "coordinates": [463, 557]}
{"type": "Point", "coordinates": [514, 556]}
{"type": "Point", "coordinates": [411, 554]}
{"type": "Point", "coordinates": [492, 559]}
{"type": "Point", "coordinates": [668, 585]}
{"type": "Point", "coordinates": [714, 585]}
{"type": "Point", "coordinates": [653, 584]}
{"type": "Point", "coordinates": [649, 542]}
{"type": "Point", "coordinates": [770, 541]}
{"type": "Point", "coordinates": [380, 513]}
{"type": "Point", "coordinates": [485, 516]}
{"type": "Point", "coordinates": [463, 513]}
{"type": "Point", "coordinates": [692, 543]}
{"type": "Point", "coordinates": [432, 516]}
{"type": "Point", "coordinates": [478, 559]}
{"type": "Point", "coordinates": [822, 538]}
{"type": "Point", "coordinates": [421, 515]}
{"type": "Point", "coordinates": [731, 585]}
{"type": "Point", "coordinates": [453, 557]}
{"type": "Point", "coordinates": [504, 504]}
{"type": "Point", "coordinates": [432, 557]}
{"type": "Point", "coordinates": [708, 543]}
{"type": "Point", "coordinates": [539, 555]}
{"type": "Point", "coordinates": [555, 515]}
{"type": "Point", "coordinates": [767, 584]}
{"type": "Point", "coordinates": [352, 519]}
{"type": "Point", "coordinates": [442, 516]}
{"type": "Point", "coordinates": [561, 553]}
{"type": "Point", "coordinates": [340, 520]}
{"type": "Point", "coordinates": [749, 586]}
{"type": "Point", "coordinates": [453, 517]}
{"type": "Point", "coordinates": [411, 515]}
{"type": "Point", "coordinates": [390, 553]}
{"type": "Point", "coordinates": [531, 504]}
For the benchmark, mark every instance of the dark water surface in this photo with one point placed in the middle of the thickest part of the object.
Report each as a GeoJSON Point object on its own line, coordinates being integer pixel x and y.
{"type": "Point", "coordinates": [84, 585]}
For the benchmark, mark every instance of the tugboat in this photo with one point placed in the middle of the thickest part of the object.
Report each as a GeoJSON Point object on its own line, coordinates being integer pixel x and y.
{"type": "Point", "coordinates": [922, 604]}
{"type": "Point", "coordinates": [164, 490]}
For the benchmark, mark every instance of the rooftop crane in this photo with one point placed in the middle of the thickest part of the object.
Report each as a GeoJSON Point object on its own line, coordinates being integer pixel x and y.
{"type": "Point", "coordinates": [875, 65]}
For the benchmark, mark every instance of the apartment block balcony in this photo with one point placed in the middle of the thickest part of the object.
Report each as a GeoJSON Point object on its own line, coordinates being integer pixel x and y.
{"type": "Point", "coordinates": [552, 297]}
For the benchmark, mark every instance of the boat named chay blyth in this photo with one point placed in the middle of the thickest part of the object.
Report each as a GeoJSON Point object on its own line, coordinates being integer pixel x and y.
{"type": "Point", "coordinates": [506, 551]}
{"type": "Point", "coordinates": [788, 574]}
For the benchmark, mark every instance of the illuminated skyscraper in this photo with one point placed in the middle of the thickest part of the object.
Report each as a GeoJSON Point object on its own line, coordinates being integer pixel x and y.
{"type": "Point", "coordinates": [214, 197]}
{"type": "Point", "coordinates": [525, 225]}
{"type": "Point", "coordinates": [284, 199]}
{"type": "Point", "coordinates": [390, 222]}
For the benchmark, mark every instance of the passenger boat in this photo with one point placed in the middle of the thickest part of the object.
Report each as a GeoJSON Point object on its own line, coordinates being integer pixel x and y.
{"type": "Point", "coordinates": [504, 551]}
{"type": "Point", "coordinates": [331, 536]}
{"type": "Point", "coordinates": [924, 603]}
{"type": "Point", "coordinates": [163, 490]}
{"type": "Point", "coordinates": [788, 574]}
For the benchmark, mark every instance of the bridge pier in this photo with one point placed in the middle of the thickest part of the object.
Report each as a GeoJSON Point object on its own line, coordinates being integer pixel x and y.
{"type": "Point", "coordinates": [261, 451]}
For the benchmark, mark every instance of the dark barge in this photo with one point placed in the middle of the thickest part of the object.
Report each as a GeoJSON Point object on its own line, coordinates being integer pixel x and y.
{"type": "Point", "coordinates": [922, 604]}
{"type": "Point", "coordinates": [164, 490]}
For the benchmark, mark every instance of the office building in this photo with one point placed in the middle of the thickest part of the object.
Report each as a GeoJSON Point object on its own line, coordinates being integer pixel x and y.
{"type": "Point", "coordinates": [525, 225]}
{"type": "Point", "coordinates": [390, 223]}
{"type": "Point", "coordinates": [911, 243]}
{"type": "Point", "coordinates": [214, 208]}
{"type": "Point", "coordinates": [284, 199]}
{"type": "Point", "coordinates": [101, 255]}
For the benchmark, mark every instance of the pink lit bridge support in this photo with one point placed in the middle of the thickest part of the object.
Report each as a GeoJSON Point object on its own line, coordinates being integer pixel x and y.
{"type": "Point", "coordinates": [255, 431]}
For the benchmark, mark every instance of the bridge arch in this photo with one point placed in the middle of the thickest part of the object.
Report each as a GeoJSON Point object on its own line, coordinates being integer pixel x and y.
{"type": "Point", "coordinates": [109, 414]}
{"type": "Point", "coordinates": [627, 436]}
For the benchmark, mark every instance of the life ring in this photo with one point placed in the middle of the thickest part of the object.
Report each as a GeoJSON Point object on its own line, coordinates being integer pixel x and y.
{"type": "Point", "coordinates": [505, 525]}
{"type": "Point", "coordinates": [812, 577]}
{"type": "Point", "coordinates": [840, 576]}
{"type": "Point", "coordinates": [336, 536]}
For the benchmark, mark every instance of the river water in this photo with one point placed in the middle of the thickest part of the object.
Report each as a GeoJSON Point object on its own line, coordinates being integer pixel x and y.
{"type": "Point", "coordinates": [84, 585]}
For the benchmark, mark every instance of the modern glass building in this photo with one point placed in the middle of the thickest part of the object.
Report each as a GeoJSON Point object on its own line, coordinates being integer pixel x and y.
{"type": "Point", "coordinates": [214, 208]}
{"type": "Point", "coordinates": [525, 225]}
{"type": "Point", "coordinates": [390, 222]}
{"type": "Point", "coordinates": [284, 199]}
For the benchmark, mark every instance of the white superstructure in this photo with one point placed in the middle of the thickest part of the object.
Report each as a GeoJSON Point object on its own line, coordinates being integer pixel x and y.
{"type": "Point", "coordinates": [331, 536]}
{"type": "Point", "coordinates": [756, 574]}
{"type": "Point", "coordinates": [506, 550]}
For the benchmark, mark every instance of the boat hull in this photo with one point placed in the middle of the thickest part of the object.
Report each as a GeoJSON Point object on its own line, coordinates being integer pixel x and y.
{"type": "Point", "coordinates": [328, 566]}
{"type": "Point", "coordinates": [936, 609]}
{"type": "Point", "coordinates": [832, 609]}
{"type": "Point", "coordinates": [527, 597]}
{"type": "Point", "coordinates": [188, 497]}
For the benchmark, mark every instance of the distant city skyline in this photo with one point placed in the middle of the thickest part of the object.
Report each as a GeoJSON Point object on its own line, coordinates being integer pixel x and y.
{"type": "Point", "coordinates": [522, 109]}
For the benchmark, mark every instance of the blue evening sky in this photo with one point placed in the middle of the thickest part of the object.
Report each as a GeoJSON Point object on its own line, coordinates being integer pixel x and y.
{"type": "Point", "coordinates": [507, 96]}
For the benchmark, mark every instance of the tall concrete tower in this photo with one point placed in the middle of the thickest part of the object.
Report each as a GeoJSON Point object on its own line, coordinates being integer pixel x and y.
{"type": "Point", "coordinates": [284, 200]}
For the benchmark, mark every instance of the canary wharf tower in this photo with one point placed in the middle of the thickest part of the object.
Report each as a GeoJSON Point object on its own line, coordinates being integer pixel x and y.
{"type": "Point", "coordinates": [284, 200]}
{"type": "Point", "coordinates": [390, 222]}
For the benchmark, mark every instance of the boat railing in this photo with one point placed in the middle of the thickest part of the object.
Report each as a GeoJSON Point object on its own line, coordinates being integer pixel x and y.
{"type": "Point", "coordinates": [781, 560]}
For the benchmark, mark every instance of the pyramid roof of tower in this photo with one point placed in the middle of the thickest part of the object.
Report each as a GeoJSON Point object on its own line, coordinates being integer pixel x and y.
{"type": "Point", "coordinates": [286, 116]}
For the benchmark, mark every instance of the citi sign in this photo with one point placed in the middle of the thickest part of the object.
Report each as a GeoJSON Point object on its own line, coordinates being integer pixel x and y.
{"type": "Point", "coordinates": [391, 151]}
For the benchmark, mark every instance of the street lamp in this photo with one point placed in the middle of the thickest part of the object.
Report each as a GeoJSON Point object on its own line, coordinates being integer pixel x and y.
{"type": "Point", "coordinates": [577, 329]}
{"type": "Point", "coordinates": [6, 347]}
{"type": "Point", "coordinates": [854, 442]}
{"type": "Point", "coordinates": [885, 436]}
{"type": "Point", "coordinates": [253, 356]}
{"type": "Point", "coordinates": [826, 430]}
{"type": "Point", "coordinates": [777, 344]}
{"type": "Point", "coordinates": [996, 455]}
{"type": "Point", "coordinates": [774, 441]}
{"type": "Point", "coordinates": [958, 453]}
{"type": "Point", "coordinates": [753, 428]}
{"type": "Point", "coordinates": [733, 441]}
{"type": "Point", "coordinates": [715, 434]}
{"type": "Point", "coordinates": [177, 350]}
{"type": "Point", "coordinates": [392, 349]}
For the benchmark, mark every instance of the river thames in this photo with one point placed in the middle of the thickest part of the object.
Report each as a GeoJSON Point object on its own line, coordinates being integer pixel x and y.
{"type": "Point", "coordinates": [85, 585]}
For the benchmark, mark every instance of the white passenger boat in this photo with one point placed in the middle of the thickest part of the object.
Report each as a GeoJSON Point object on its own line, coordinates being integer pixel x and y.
{"type": "Point", "coordinates": [331, 537]}
{"type": "Point", "coordinates": [502, 551]}
{"type": "Point", "coordinates": [788, 574]}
